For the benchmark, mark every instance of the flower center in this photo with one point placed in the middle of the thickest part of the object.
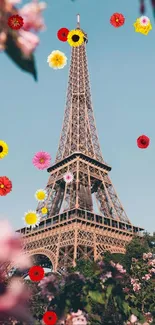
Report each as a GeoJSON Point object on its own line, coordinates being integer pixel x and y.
{"type": "Point", "coordinates": [1, 148]}
{"type": "Point", "coordinates": [31, 219]}
{"type": "Point", "coordinates": [117, 20]}
{"type": "Point", "coordinates": [144, 21]}
{"type": "Point", "coordinates": [143, 141]}
{"type": "Point", "coordinates": [1, 185]}
{"type": "Point", "coordinates": [16, 22]}
{"type": "Point", "coordinates": [42, 160]}
{"type": "Point", "coordinates": [75, 38]}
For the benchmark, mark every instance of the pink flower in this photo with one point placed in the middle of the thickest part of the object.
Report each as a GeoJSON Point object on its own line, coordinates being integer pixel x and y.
{"type": "Point", "coordinates": [151, 262]}
{"type": "Point", "coordinates": [41, 160]}
{"type": "Point", "coordinates": [31, 14]}
{"type": "Point", "coordinates": [133, 318]}
{"type": "Point", "coordinates": [68, 177]}
{"type": "Point", "coordinates": [76, 319]}
{"type": "Point", "coordinates": [146, 277]}
{"type": "Point", "coordinates": [11, 247]}
{"type": "Point", "coordinates": [27, 42]}
{"type": "Point", "coordinates": [133, 281]}
{"type": "Point", "coordinates": [136, 287]}
{"type": "Point", "coordinates": [119, 267]}
{"type": "Point", "coordinates": [3, 38]}
{"type": "Point", "coordinates": [152, 270]}
{"type": "Point", "coordinates": [147, 256]}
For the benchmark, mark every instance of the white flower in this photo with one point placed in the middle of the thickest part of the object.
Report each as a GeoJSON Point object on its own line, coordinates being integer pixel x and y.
{"type": "Point", "coordinates": [133, 318]}
{"type": "Point", "coordinates": [144, 21]}
{"type": "Point", "coordinates": [68, 177]}
{"type": "Point", "coordinates": [41, 195]}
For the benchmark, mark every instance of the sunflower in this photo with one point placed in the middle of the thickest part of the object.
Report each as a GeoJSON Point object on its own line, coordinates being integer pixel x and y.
{"type": "Point", "coordinates": [3, 149]}
{"type": "Point", "coordinates": [75, 37]}
{"type": "Point", "coordinates": [40, 195]}
{"type": "Point", "coordinates": [31, 219]}
{"type": "Point", "coordinates": [57, 60]}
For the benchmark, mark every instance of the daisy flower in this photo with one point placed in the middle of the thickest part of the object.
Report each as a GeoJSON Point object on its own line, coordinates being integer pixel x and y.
{"type": "Point", "coordinates": [40, 195]}
{"type": "Point", "coordinates": [31, 219]}
{"type": "Point", "coordinates": [44, 210]}
{"type": "Point", "coordinates": [68, 177]}
{"type": "Point", "coordinates": [57, 60]}
{"type": "Point", "coordinates": [3, 149]}
{"type": "Point", "coordinates": [144, 21]}
{"type": "Point", "coordinates": [41, 160]}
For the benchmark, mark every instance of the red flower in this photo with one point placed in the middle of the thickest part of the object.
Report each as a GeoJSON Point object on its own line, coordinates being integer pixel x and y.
{"type": "Point", "coordinates": [62, 34]}
{"type": "Point", "coordinates": [36, 273]}
{"type": "Point", "coordinates": [50, 318]}
{"type": "Point", "coordinates": [5, 186]}
{"type": "Point", "coordinates": [143, 142]}
{"type": "Point", "coordinates": [117, 20]}
{"type": "Point", "coordinates": [15, 22]}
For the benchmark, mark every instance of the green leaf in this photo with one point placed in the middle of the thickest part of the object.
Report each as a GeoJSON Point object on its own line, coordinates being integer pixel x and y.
{"type": "Point", "coordinates": [97, 297]}
{"type": "Point", "coordinates": [109, 291]}
{"type": "Point", "coordinates": [126, 307]}
{"type": "Point", "coordinates": [135, 311]}
{"type": "Point", "coordinates": [26, 64]}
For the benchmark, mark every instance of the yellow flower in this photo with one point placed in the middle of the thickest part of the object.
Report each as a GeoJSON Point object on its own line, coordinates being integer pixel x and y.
{"type": "Point", "coordinates": [31, 219]}
{"type": "Point", "coordinates": [44, 210]}
{"type": "Point", "coordinates": [75, 37]}
{"type": "Point", "coordinates": [3, 149]}
{"type": "Point", "coordinates": [40, 195]}
{"type": "Point", "coordinates": [143, 29]}
{"type": "Point", "coordinates": [57, 60]}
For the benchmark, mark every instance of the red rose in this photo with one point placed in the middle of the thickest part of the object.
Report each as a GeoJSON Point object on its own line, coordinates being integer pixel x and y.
{"type": "Point", "coordinates": [62, 34]}
{"type": "Point", "coordinates": [143, 142]}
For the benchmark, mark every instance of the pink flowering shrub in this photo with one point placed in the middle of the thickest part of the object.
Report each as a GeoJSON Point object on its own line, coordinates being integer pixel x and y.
{"type": "Point", "coordinates": [21, 44]}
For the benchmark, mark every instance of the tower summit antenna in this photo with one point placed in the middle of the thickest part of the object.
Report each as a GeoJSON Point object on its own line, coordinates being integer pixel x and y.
{"type": "Point", "coordinates": [78, 21]}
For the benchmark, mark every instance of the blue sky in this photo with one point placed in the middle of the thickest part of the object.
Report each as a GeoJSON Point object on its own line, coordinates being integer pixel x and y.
{"type": "Point", "coordinates": [122, 74]}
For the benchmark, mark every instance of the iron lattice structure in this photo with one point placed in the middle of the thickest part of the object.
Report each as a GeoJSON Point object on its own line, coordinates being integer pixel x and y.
{"type": "Point", "coordinates": [72, 229]}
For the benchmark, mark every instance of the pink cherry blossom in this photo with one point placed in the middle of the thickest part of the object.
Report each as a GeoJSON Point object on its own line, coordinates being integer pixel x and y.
{"type": "Point", "coordinates": [15, 294]}
{"type": "Point", "coordinates": [31, 14]}
{"type": "Point", "coordinates": [11, 247]}
{"type": "Point", "coordinates": [27, 42]}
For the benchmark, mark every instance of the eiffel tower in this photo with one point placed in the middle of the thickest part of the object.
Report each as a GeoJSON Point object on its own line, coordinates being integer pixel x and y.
{"type": "Point", "coordinates": [72, 229]}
